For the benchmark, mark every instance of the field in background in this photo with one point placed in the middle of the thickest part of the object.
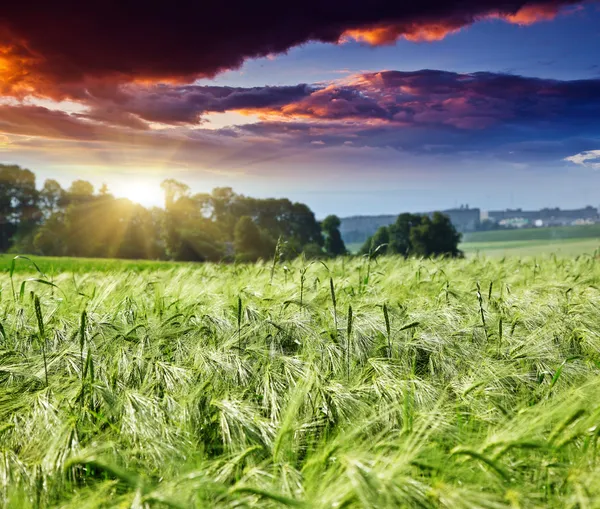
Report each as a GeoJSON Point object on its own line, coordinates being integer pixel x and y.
{"type": "Point", "coordinates": [551, 234]}
{"type": "Point", "coordinates": [560, 240]}
{"type": "Point", "coordinates": [442, 383]}
{"type": "Point", "coordinates": [519, 248]}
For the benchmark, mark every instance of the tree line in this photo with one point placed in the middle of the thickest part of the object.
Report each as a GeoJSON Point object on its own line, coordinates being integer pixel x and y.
{"type": "Point", "coordinates": [217, 226]}
{"type": "Point", "coordinates": [415, 235]}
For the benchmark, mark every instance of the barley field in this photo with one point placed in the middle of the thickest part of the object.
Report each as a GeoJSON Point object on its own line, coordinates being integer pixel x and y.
{"type": "Point", "coordinates": [350, 383]}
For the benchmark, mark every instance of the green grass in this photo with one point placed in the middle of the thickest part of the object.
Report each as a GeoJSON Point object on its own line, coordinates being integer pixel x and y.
{"type": "Point", "coordinates": [562, 240]}
{"type": "Point", "coordinates": [126, 384]}
{"type": "Point", "coordinates": [565, 247]}
{"type": "Point", "coordinates": [52, 265]}
{"type": "Point", "coordinates": [525, 234]}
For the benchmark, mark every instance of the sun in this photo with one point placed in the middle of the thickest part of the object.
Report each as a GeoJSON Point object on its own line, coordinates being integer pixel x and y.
{"type": "Point", "coordinates": [146, 193]}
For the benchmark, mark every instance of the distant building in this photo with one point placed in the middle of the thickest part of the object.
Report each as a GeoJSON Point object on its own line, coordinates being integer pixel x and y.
{"type": "Point", "coordinates": [357, 229]}
{"type": "Point", "coordinates": [545, 217]}
{"type": "Point", "coordinates": [464, 218]}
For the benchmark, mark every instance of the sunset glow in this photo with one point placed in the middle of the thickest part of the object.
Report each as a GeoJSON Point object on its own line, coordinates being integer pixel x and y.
{"type": "Point", "coordinates": [472, 89]}
{"type": "Point", "coordinates": [144, 192]}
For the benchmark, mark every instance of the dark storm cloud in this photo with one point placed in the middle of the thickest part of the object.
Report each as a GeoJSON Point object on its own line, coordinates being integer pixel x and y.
{"type": "Point", "coordinates": [466, 101]}
{"type": "Point", "coordinates": [438, 112]}
{"type": "Point", "coordinates": [425, 98]}
{"type": "Point", "coordinates": [59, 49]}
{"type": "Point", "coordinates": [423, 112]}
{"type": "Point", "coordinates": [37, 121]}
{"type": "Point", "coordinates": [186, 104]}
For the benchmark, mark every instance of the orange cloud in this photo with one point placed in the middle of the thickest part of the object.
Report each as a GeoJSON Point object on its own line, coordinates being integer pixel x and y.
{"type": "Point", "coordinates": [58, 52]}
{"type": "Point", "coordinates": [15, 66]}
{"type": "Point", "coordinates": [388, 34]}
{"type": "Point", "coordinates": [531, 14]}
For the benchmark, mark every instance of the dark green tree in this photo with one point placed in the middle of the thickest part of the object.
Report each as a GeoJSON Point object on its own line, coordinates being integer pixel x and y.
{"type": "Point", "coordinates": [435, 236]}
{"type": "Point", "coordinates": [378, 243]}
{"type": "Point", "coordinates": [250, 242]}
{"type": "Point", "coordinates": [415, 235]}
{"type": "Point", "coordinates": [334, 244]}
{"type": "Point", "coordinates": [399, 233]}
{"type": "Point", "coordinates": [19, 211]}
{"type": "Point", "coordinates": [313, 251]}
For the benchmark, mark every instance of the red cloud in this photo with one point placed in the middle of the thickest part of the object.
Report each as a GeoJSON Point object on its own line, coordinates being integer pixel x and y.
{"type": "Point", "coordinates": [385, 34]}
{"type": "Point", "coordinates": [411, 111]}
{"type": "Point", "coordinates": [388, 34]}
{"type": "Point", "coordinates": [425, 98]}
{"type": "Point", "coordinates": [532, 14]}
{"type": "Point", "coordinates": [67, 49]}
{"type": "Point", "coordinates": [434, 99]}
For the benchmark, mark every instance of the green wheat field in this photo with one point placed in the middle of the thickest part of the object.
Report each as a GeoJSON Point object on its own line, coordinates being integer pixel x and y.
{"type": "Point", "coordinates": [349, 383]}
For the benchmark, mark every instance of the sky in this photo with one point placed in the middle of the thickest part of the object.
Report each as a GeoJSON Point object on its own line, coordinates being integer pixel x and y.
{"type": "Point", "coordinates": [352, 107]}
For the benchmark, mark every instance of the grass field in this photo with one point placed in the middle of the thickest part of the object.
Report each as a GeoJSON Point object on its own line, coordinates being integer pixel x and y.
{"type": "Point", "coordinates": [550, 234]}
{"type": "Point", "coordinates": [51, 265]}
{"type": "Point", "coordinates": [560, 240]}
{"type": "Point", "coordinates": [519, 248]}
{"type": "Point", "coordinates": [457, 383]}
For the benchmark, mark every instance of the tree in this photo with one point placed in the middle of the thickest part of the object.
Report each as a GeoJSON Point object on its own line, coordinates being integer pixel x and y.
{"type": "Point", "coordinates": [399, 233]}
{"type": "Point", "coordinates": [19, 211]}
{"type": "Point", "coordinates": [52, 198]}
{"type": "Point", "coordinates": [188, 233]}
{"type": "Point", "coordinates": [250, 242]}
{"type": "Point", "coordinates": [104, 192]}
{"type": "Point", "coordinates": [198, 227]}
{"type": "Point", "coordinates": [49, 239]}
{"type": "Point", "coordinates": [199, 246]}
{"type": "Point", "coordinates": [415, 235]}
{"type": "Point", "coordinates": [174, 190]}
{"type": "Point", "coordinates": [134, 230]}
{"type": "Point", "coordinates": [304, 227]}
{"type": "Point", "coordinates": [81, 191]}
{"type": "Point", "coordinates": [435, 236]}
{"type": "Point", "coordinates": [313, 251]}
{"type": "Point", "coordinates": [334, 244]}
{"type": "Point", "coordinates": [378, 243]}
{"type": "Point", "coordinates": [224, 202]}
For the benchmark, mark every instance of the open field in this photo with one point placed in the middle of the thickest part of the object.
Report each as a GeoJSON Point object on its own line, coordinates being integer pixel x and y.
{"type": "Point", "coordinates": [237, 386]}
{"type": "Point", "coordinates": [560, 247]}
{"type": "Point", "coordinates": [566, 247]}
{"type": "Point", "coordinates": [560, 240]}
{"type": "Point", "coordinates": [551, 234]}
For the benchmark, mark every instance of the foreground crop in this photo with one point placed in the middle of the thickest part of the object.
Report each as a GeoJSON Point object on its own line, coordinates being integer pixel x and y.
{"type": "Point", "coordinates": [466, 383]}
